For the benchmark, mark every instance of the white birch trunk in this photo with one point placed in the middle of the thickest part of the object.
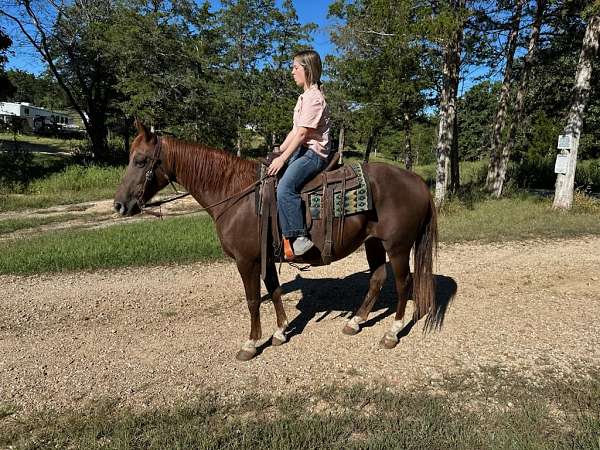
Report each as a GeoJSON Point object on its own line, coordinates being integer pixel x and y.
{"type": "Point", "coordinates": [408, 156]}
{"type": "Point", "coordinates": [496, 141]}
{"type": "Point", "coordinates": [447, 113]}
{"type": "Point", "coordinates": [496, 188]}
{"type": "Point", "coordinates": [563, 194]}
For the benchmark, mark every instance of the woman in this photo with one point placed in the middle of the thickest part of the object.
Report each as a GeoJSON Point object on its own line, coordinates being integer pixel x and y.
{"type": "Point", "coordinates": [305, 149]}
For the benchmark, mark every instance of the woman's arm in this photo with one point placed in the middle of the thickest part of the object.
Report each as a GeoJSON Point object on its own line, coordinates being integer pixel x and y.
{"type": "Point", "coordinates": [296, 140]}
{"type": "Point", "coordinates": [284, 145]}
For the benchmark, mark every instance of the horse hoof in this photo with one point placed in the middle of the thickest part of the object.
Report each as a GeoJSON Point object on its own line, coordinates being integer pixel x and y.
{"type": "Point", "coordinates": [348, 330]}
{"type": "Point", "coordinates": [388, 343]}
{"type": "Point", "coordinates": [245, 355]}
{"type": "Point", "coordinates": [277, 342]}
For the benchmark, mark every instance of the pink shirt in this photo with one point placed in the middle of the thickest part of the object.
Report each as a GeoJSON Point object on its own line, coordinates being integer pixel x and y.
{"type": "Point", "coordinates": [311, 112]}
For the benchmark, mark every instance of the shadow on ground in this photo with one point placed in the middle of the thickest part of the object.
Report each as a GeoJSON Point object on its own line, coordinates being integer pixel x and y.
{"type": "Point", "coordinates": [340, 297]}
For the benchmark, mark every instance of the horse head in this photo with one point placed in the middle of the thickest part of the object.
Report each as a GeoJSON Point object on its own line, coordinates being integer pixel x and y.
{"type": "Point", "coordinates": [145, 174]}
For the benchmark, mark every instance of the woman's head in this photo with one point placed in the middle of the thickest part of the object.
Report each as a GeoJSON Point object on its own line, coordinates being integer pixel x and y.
{"type": "Point", "coordinates": [307, 68]}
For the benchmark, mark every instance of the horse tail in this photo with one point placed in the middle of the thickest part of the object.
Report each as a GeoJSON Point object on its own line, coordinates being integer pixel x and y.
{"type": "Point", "coordinates": [423, 280]}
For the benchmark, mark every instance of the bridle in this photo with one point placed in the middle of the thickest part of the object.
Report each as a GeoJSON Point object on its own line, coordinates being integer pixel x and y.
{"type": "Point", "coordinates": [155, 158]}
{"type": "Point", "coordinates": [150, 173]}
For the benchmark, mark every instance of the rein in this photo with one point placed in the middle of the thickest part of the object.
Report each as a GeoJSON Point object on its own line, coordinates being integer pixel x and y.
{"type": "Point", "coordinates": [150, 174]}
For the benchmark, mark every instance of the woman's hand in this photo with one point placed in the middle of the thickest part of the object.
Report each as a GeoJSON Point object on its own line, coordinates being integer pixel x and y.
{"type": "Point", "coordinates": [276, 165]}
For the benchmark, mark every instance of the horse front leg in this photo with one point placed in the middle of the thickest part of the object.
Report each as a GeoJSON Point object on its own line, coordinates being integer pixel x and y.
{"type": "Point", "coordinates": [272, 284]}
{"type": "Point", "coordinates": [250, 272]}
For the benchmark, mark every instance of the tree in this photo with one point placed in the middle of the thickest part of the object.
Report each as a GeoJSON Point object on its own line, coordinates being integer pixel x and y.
{"type": "Point", "coordinates": [478, 106]}
{"type": "Point", "coordinates": [247, 27]}
{"type": "Point", "coordinates": [497, 172]}
{"type": "Point", "coordinates": [454, 16]}
{"type": "Point", "coordinates": [380, 69]}
{"type": "Point", "coordinates": [39, 90]}
{"type": "Point", "coordinates": [6, 87]}
{"type": "Point", "coordinates": [274, 88]}
{"type": "Point", "coordinates": [563, 196]}
{"type": "Point", "coordinates": [70, 43]}
{"type": "Point", "coordinates": [494, 172]}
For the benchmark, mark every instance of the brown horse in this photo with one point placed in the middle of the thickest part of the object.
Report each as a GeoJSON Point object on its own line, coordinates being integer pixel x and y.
{"type": "Point", "coordinates": [403, 217]}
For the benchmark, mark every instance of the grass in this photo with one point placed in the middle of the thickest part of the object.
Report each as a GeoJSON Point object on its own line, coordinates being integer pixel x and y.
{"type": "Point", "coordinates": [506, 412]}
{"type": "Point", "coordinates": [34, 143]}
{"type": "Point", "coordinates": [148, 243]}
{"type": "Point", "coordinates": [187, 239]}
{"type": "Point", "coordinates": [73, 184]}
{"type": "Point", "coordinates": [519, 217]}
{"type": "Point", "coordinates": [12, 225]}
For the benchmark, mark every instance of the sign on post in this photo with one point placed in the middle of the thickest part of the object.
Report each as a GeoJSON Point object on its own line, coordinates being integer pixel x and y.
{"type": "Point", "coordinates": [565, 141]}
{"type": "Point", "coordinates": [562, 163]}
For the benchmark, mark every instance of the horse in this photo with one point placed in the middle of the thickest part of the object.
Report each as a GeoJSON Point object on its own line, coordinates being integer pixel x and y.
{"type": "Point", "coordinates": [403, 217]}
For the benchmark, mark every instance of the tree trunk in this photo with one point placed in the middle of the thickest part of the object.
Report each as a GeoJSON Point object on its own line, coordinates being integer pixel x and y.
{"type": "Point", "coordinates": [496, 142]}
{"type": "Point", "coordinates": [370, 144]}
{"type": "Point", "coordinates": [97, 134]}
{"type": "Point", "coordinates": [450, 69]}
{"type": "Point", "coordinates": [238, 139]}
{"type": "Point", "coordinates": [563, 195]}
{"type": "Point", "coordinates": [500, 176]}
{"type": "Point", "coordinates": [455, 159]}
{"type": "Point", "coordinates": [408, 156]}
{"type": "Point", "coordinates": [342, 137]}
{"type": "Point", "coordinates": [126, 136]}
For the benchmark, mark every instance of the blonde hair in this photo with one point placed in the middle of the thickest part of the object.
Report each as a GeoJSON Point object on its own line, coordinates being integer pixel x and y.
{"type": "Point", "coordinates": [311, 63]}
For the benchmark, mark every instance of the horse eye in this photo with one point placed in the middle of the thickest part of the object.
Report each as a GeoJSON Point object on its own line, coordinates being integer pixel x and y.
{"type": "Point", "coordinates": [140, 162]}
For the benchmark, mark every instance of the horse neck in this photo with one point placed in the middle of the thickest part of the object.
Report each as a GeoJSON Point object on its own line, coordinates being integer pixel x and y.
{"type": "Point", "coordinates": [210, 175]}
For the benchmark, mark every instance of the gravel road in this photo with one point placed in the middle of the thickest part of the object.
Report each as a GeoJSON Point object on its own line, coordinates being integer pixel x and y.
{"type": "Point", "coordinates": [149, 337]}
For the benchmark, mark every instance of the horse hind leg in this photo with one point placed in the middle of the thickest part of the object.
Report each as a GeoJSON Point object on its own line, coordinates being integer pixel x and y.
{"type": "Point", "coordinates": [376, 258]}
{"type": "Point", "coordinates": [274, 290]}
{"type": "Point", "coordinates": [403, 280]}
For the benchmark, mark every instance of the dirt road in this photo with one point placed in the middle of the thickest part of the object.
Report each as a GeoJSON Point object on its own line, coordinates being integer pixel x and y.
{"type": "Point", "coordinates": [154, 336]}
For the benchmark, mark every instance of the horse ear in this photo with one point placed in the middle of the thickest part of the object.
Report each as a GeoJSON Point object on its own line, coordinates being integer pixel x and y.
{"type": "Point", "coordinates": [143, 130]}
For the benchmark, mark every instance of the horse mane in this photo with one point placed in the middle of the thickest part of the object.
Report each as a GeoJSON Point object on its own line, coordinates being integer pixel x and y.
{"type": "Point", "coordinates": [204, 168]}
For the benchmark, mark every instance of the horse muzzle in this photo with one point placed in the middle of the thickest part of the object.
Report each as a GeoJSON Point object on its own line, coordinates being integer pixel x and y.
{"type": "Point", "coordinates": [126, 208]}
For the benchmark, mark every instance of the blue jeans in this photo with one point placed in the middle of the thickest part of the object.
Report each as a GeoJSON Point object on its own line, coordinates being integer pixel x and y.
{"type": "Point", "coordinates": [303, 165]}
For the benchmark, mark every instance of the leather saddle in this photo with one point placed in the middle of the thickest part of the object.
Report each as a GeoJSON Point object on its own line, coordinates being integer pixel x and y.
{"type": "Point", "coordinates": [334, 180]}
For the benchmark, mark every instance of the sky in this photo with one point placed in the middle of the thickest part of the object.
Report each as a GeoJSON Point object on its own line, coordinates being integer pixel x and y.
{"type": "Point", "coordinates": [24, 58]}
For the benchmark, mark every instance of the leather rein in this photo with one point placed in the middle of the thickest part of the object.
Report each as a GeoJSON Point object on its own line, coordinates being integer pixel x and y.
{"type": "Point", "coordinates": [150, 173]}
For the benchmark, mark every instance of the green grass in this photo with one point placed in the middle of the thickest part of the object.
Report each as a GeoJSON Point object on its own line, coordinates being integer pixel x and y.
{"type": "Point", "coordinates": [517, 218]}
{"type": "Point", "coordinates": [506, 412]}
{"type": "Point", "coordinates": [471, 172]}
{"type": "Point", "coordinates": [186, 239]}
{"type": "Point", "coordinates": [12, 225]}
{"type": "Point", "coordinates": [42, 144]}
{"type": "Point", "coordinates": [74, 184]}
{"type": "Point", "coordinates": [146, 243]}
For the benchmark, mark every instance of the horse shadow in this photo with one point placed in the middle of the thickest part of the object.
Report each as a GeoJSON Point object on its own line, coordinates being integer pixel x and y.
{"type": "Point", "coordinates": [342, 297]}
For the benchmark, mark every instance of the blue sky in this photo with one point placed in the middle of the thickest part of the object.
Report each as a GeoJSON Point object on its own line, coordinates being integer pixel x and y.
{"type": "Point", "coordinates": [308, 11]}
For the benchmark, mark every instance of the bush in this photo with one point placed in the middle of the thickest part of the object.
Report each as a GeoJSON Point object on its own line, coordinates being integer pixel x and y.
{"type": "Point", "coordinates": [538, 173]}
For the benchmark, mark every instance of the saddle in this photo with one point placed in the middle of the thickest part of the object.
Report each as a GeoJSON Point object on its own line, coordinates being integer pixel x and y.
{"type": "Point", "coordinates": [337, 191]}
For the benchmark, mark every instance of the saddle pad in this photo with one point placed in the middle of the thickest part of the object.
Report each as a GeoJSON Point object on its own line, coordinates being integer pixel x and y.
{"type": "Point", "coordinates": [357, 199]}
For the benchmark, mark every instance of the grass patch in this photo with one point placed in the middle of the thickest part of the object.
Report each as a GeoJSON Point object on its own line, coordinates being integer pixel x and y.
{"type": "Point", "coordinates": [74, 184]}
{"type": "Point", "coordinates": [506, 413]}
{"type": "Point", "coordinates": [520, 217]}
{"type": "Point", "coordinates": [146, 243]}
{"type": "Point", "coordinates": [32, 143]}
{"type": "Point", "coordinates": [12, 225]}
{"type": "Point", "coordinates": [187, 239]}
